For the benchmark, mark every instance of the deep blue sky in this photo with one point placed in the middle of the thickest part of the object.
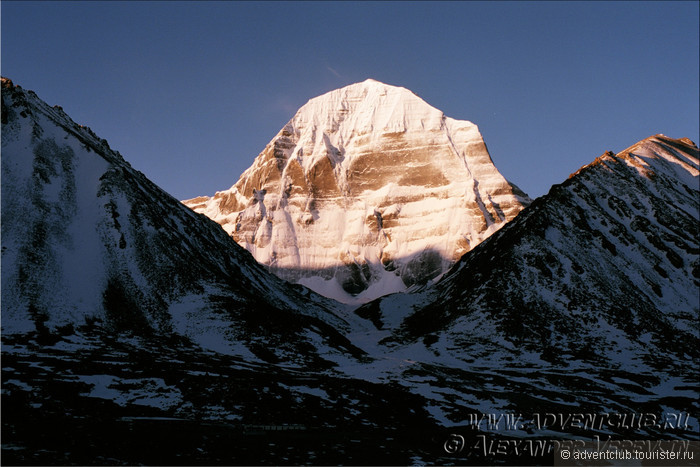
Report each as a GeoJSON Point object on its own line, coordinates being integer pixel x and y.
{"type": "Point", "coordinates": [190, 93]}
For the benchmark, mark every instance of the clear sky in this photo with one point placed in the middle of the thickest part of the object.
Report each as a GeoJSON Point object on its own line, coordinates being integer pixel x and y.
{"type": "Point", "coordinates": [191, 92]}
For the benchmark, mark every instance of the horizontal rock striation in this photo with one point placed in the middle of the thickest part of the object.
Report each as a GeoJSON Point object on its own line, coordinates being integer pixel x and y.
{"type": "Point", "coordinates": [368, 190]}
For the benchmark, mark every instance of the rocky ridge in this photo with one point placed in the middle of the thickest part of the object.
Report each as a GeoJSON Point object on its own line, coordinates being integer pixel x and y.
{"type": "Point", "coordinates": [592, 293]}
{"type": "Point", "coordinates": [89, 241]}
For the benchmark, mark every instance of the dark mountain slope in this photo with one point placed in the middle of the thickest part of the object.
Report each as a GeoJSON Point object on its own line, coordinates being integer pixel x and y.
{"type": "Point", "coordinates": [87, 240]}
{"type": "Point", "coordinates": [616, 246]}
{"type": "Point", "coordinates": [588, 300]}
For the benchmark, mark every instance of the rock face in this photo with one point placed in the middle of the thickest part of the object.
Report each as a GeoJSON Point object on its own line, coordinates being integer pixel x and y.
{"type": "Point", "coordinates": [367, 190]}
{"type": "Point", "coordinates": [87, 241]}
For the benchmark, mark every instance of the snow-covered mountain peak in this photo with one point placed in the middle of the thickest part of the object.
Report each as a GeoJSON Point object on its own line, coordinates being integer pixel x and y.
{"type": "Point", "coordinates": [663, 152]}
{"type": "Point", "coordinates": [125, 314]}
{"type": "Point", "coordinates": [367, 108]}
{"type": "Point", "coordinates": [366, 191]}
{"type": "Point", "coordinates": [655, 156]}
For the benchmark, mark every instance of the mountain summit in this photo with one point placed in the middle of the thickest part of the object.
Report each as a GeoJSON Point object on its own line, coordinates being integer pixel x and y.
{"type": "Point", "coordinates": [367, 190]}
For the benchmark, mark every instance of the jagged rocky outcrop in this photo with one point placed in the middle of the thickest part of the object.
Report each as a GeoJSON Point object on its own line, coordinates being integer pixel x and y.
{"type": "Point", "coordinates": [88, 240]}
{"type": "Point", "coordinates": [367, 190]}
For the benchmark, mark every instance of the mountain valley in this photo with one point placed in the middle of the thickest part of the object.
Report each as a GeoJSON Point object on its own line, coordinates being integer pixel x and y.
{"type": "Point", "coordinates": [138, 329]}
